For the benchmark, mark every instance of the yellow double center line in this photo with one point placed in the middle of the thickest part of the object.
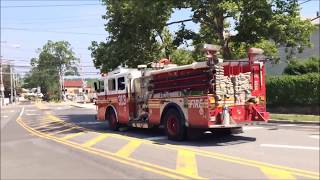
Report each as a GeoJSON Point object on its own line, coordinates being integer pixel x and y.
{"type": "Point", "coordinates": [114, 156]}
{"type": "Point", "coordinates": [186, 163]}
{"type": "Point", "coordinates": [268, 169]}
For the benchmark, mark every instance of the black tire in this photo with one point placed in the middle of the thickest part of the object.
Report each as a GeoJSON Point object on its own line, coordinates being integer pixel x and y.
{"type": "Point", "coordinates": [174, 125]}
{"type": "Point", "coordinates": [112, 120]}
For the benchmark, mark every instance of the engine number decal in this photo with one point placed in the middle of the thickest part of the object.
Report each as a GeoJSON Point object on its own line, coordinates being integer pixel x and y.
{"type": "Point", "coordinates": [122, 100]}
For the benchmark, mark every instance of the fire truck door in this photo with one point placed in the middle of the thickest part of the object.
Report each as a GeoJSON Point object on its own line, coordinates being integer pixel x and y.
{"type": "Point", "coordinates": [100, 93]}
{"type": "Point", "coordinates": [122, 98]}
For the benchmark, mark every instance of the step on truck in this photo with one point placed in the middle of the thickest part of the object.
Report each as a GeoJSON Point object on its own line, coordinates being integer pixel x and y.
{"type": "Point", "coordinates": [214, 95]}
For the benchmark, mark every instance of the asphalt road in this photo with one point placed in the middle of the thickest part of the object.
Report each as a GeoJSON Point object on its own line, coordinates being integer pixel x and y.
{"type": "Point", "coordinates": [59, 141]}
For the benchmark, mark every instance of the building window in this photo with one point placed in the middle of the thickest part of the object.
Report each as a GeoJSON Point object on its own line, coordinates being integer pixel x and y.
{"type": "Point", "coordinates": [111, 84]}
{"type": "Point", "coordinates": [121, 83]}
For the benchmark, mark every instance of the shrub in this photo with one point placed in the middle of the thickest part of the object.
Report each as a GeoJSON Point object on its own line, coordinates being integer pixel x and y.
{"type": "Point", "coordinates": [298, 67]}
{"type": "Point", "coordinates": [293, 90]}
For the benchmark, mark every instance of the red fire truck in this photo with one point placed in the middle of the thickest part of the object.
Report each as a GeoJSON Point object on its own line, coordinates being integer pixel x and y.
{"type": "Point", "coordinates": [212, 95]}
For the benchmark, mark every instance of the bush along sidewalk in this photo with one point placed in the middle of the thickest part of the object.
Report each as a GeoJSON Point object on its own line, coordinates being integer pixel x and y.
{"type": "Point", "coordinates": [288, 90]}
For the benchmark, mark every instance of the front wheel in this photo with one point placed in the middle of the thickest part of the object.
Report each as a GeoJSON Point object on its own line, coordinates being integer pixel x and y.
{"type": "Point", "coordinates": [112, 120]}
{"type": "Point", "coordinates": [174, 125]}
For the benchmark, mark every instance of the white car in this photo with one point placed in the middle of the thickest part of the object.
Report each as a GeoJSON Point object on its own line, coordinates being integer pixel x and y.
{"type": "Point", "coordinates": [39, 95]}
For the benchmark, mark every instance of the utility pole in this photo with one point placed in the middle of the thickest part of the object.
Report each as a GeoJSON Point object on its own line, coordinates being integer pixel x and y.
{"type": "Point", "coordinates": [11, 85]}
{"type": "Point", "coordinates": [61, 84]}
{"type": "Point", "coordinates": [1, 85]}
{"type": "Point", "coordinates": [15, 87]}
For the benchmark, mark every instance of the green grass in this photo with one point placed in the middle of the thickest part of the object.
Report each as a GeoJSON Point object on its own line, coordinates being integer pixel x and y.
{"type": "Point", "coordinates": [295, 117]}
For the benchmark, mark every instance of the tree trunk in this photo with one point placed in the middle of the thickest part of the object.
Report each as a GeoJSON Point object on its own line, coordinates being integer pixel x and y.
{"type": "Point", "coordinates": [222, 39]}
{"type": "Point", "coordinates": [226, 49]}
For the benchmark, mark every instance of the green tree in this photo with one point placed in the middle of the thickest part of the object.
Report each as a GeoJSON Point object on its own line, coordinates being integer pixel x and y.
{"type": "Point", "coordinates": [253, 21]}
{"type": "Point", "coordinates": [133, 27]}
{"type": "Point", "coordinates": [48, 68]}
{"type": "Point", "coordinates": [299, 67]}
{"type": "Point", "coordinates": [6, 75]}
{"type": "Point", "coordinates": [182, 57]}
{"type": "Point", "coordinates": [239, 50]}
{"type": "Point", "coordinates": [137, 33]}
{"type": "Point", "coordinates": [167, 45]}
{"type": "Point", "coordinates": [71, 71]}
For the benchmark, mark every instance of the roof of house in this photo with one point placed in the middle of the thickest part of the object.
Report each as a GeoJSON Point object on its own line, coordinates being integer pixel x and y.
{"type": "Point", "coordinates": [73, 83]}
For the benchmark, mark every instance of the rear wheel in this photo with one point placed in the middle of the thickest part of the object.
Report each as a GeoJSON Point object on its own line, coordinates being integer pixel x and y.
{"type": "Point", "coordinates": [174, 125]}
{"type": "Point", "coordinates": [112, 119]}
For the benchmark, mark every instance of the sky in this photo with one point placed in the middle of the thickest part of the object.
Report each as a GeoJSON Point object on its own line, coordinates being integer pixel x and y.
{"type": "Point", "coordinates": [28, 25]}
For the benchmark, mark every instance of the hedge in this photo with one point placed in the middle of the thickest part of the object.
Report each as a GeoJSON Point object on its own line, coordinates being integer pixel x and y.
{"type": "Point", "coordinates": [299, 67]}
{"type": "Point", "coordinates": [293, 89]}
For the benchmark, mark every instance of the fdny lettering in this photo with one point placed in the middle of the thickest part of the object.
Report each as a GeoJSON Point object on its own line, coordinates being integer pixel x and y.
{"type": "Point", "coordinates": [196, 103]}
{"type": "Point", "coordinates": [122, 100]}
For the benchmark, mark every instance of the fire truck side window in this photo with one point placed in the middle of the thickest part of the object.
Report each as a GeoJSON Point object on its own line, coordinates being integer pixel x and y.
{"type": "Point", "coordinates": [101, 86]}
{"type": "Point", "coordinates": [111, 84]}
{"type": "Point", "coordinates": [121, 85]}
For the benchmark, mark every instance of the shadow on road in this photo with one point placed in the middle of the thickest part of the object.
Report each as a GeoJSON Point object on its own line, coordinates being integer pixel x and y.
{"type": "Point", "coordinates": [89, 122]}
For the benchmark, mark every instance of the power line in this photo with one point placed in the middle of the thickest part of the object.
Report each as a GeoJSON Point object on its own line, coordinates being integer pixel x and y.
{"type": "Point", "coordinates": [96, 18]}
{"type": "Point", "coordinates": [52, 5]}
{"type": "Point", "coordinates": [315, 18]}
{"type": "Point", "coordinates": [23, 59]}
{"type": "Point", "coordinates": [70, 21]}
{"type": "Point", "coordinates": [17, 60]}
{"type": "Point", "coordinates": [33, 49]}
{"type": "Point", "coordinates": [58, 18]}
{"type": "Point", "coordinates": [82, 64]}
{"type": "Point", "coordinates": [57, 32]}
{"type": "Point", "coordinates": [304, 2]}
{"type": "Point", "coordinates": [33, 66]}
{"type": "Point", "coordinates": [52, 0]}
{"type": "Point", "coordinates": [48, 71]}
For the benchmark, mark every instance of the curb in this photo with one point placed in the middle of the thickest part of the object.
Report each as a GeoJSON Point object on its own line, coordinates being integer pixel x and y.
{"type": "Point", "coordinates": [293, 122]}
{"type": "Point", "coordinates": [75, 105]}
{"type": "Point", "coordinates": [80, 106]}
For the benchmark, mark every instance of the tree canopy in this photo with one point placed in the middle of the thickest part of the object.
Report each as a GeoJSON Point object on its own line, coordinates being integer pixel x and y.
{"type": "Point", "coordinates": [132, 27]}
{"type": "Point", "coordinates": [54, 59]}
{"type": "Point", "coordinates": [137, 29]}
{"type": "Point", "coordinates": [238, 24]}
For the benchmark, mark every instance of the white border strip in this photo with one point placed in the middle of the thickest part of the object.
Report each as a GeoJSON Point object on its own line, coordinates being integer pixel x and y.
{"type": "Point", "coordinates": [154, 138]}
{"type": "Point", "coordinates": [314, 136]}
{"type": "Point", "coordinates": [290, 147]}
{"type": "Point", "coordinates": [21, 112]}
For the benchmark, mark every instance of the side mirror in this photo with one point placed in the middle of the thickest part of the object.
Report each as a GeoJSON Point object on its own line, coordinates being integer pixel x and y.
{"type": "Point", "coordinates": [96, 86]}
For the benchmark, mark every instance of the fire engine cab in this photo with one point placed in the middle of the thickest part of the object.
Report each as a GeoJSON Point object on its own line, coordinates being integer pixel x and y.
{"type": "Point", "coordinates": [211, 95]}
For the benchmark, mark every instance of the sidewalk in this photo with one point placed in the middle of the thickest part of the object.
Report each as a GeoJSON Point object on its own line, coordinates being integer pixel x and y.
{"type": "Point", "coordinates": [295, 118]}
{"type": "Point", "coordinates": [10, 105]}
{"type": "Point", "coordinates": [293, 122]}
{"type": "Point", "coordinates": [82, 105]}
